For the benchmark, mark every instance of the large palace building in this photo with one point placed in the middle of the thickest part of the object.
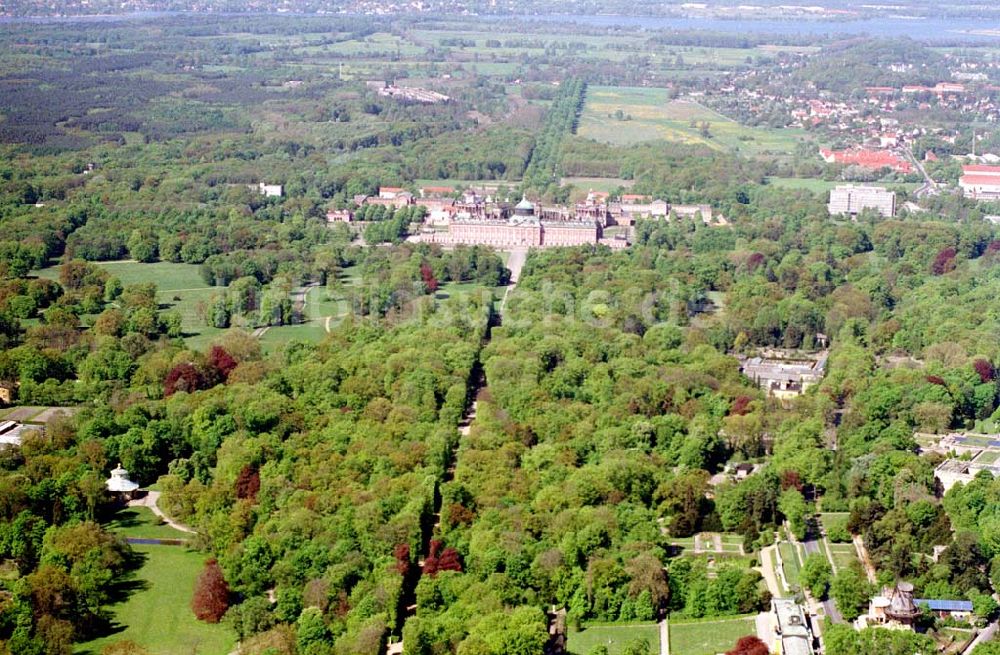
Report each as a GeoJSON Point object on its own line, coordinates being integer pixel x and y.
{"type": "Point", "coordinates": [475, 217]}
{"type": "Point", "coordinates": [523, 228]}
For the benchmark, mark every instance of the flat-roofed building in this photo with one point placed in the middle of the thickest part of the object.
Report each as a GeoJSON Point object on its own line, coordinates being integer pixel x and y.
{"type": "Point", "coordinates": [271, 190]}
{"type": "Point", "coordinates": [792, 633]}
{"type": "Point", "coordinates": [980, 182]}
{"type": "Point", "coordinates": [953, 471]}
{"type": "Point", "coordinates": [783, 375]}
{"type": "Point", "coordinates": [851, 200]}
{"type": "Point", "coordinates": [11, 432]}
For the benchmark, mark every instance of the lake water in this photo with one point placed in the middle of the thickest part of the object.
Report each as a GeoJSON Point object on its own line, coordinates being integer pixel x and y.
{"type": "Point", "coordinates": [931, 29]}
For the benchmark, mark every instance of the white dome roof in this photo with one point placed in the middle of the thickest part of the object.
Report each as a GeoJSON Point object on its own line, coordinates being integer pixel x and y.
{"type": "Point", "coordinates": [119, 482]}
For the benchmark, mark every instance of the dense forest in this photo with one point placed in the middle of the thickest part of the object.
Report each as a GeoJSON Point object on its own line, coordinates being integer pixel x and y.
{"type": "Point", "coordinates": [370, 439]}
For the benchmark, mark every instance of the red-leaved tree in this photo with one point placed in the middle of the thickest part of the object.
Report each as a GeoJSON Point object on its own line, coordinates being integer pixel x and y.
{"type": "Point", "coordinates": [944, 262]}
{"type": "Point", "coordinates": [183, 377]}
{"type": "Point", "coordinates": [248, 483]}
{"type": "Point", "coordinates": [211, 593]}
{"type": "Point", "coordinates": [220, 361]}
{"type": "Point", "coordinates": [935, 379]}
{"type": "Point", "coordinates": [749, 645]}
{"type": "Point", "coordinates": [441, 560]}
{"type": "Point", "coordinates": [427, 274]}
{"type": "Point", "coordinates": [402, 554]}
{"type": "Point", "coordinates": [985, 370]}
{"type": "Point", "coordinates": [791, 479]}
{"type": "Point", "coordinates": [754, 261]}
{"type": "Point", "coordinates": [740, 406]}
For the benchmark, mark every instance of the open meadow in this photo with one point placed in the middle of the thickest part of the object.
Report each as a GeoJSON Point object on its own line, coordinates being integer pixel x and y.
{"type": "Point", "coordinates": [154, 610]}
{"type": "Point", "coordinates": [708, 637]}
{"type": "Point", "coordinates": [180, 288]}
{"type": "Point", "coordinates": [649, 114]}
{"type": "Point", "coordinates": [612, 637]}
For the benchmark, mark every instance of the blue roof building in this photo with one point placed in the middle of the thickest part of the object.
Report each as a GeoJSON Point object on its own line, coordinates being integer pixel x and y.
{"type": "Point", "coordinates": [949, 606]}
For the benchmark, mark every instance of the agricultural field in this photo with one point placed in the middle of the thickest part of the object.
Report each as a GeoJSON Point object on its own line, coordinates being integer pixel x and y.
{"type": "Point", "coordinates": [613, 637]}
{"type": "Point", "coordinates": [650, 115]}
{"type": "Point", "coordinates": [155, 608]}
{"type": "Point", "coordinates": [708, 637]}
{"type": "Point", "coordinates": [374, 44]}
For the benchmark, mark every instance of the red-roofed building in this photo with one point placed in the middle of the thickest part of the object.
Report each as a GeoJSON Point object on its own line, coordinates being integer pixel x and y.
{"type": "Point", "coordinates": [872, 159]}
{"type": "Point", "coordinates": [980, 182]}
{"type": "Point", "coordinates": [983, 169]}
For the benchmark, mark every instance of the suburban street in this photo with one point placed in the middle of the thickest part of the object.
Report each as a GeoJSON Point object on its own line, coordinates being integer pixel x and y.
{"type": "Point", "coordinates": [929, 187]}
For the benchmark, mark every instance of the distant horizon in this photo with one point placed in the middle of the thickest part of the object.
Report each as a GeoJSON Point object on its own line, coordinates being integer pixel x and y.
{"type": "Point", "coordinates": [919, 28]}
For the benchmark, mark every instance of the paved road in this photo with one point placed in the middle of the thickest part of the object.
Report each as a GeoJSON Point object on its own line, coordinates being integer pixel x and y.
{"type": "Point", "coordinates": [829, 607]}
{"type": "Point", "coordinates": [770, 577]}
{"type": "Point", "coordinates": [986, 635]}
{"type": "Point", "coordinates": [930, 187]}
{"type": "Point", "coordinates": [515, 263]}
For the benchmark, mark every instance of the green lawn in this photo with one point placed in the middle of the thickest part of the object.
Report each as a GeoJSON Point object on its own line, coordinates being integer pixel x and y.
{"type": "Point", "coordinates": [605, 184]}
{"type": "Point", "coordinates": [141, 522]}
{"type": "Point", "coordinates": [790, 563]}
{"type": "Point", "coordinates": [157, 615]}
{"type": "Point", "coordinates": [772, 561]}
{"type": "Point", "coordinates": [156, 611]}
{"type": "Point", "coordinates": [834, 522]}
{"type": "Point", "coordinates": [457, 183]}
{"type": "Point", "coordinates": [977, 440]}
{"type": "Point", "coordinates": [708, 637]}
{"type": "Point", "coordinates": [168, 276]}
{"type": "Point", "coordinates": [181, 288]}
{"type": "Point", "coordinates": [844, 555]}
{"type": "Point", "coordinates": [654, 116]}
{"type": "Point", "coordinates": [988, 457]}
{"type": "Point", "coordinates": [615, 637]}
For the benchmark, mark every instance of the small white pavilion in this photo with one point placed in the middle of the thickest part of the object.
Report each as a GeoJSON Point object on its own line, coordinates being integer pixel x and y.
{"type": "Point", "coordinates": [119, 484]}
